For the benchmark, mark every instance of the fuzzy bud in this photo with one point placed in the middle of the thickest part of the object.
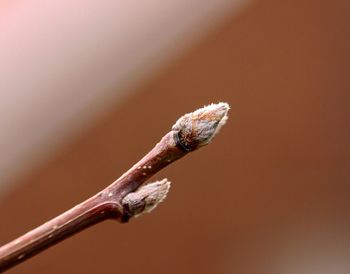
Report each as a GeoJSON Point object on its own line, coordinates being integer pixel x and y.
{"type": "Point", "coordinates": [145, 198]}
{"type": "Point", "coordinates": [197, 129]}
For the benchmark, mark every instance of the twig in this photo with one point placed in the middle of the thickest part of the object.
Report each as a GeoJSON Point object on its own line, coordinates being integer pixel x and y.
{"type": "Point", "coordinates": [126, 197]}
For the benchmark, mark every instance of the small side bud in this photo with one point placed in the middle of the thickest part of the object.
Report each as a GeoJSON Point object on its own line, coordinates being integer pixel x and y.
{"type": "Point", "coordinates": [197, 129]}
{"type": "Point", "coordinates": [145, 198]}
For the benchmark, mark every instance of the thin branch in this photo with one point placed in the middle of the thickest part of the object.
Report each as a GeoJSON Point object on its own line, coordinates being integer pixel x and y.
{"type": "Point", "coordinates": [126, 197]}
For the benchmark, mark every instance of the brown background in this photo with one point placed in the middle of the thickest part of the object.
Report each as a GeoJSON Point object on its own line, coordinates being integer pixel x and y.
{"type": "Point", "coordinates": [274, 182]}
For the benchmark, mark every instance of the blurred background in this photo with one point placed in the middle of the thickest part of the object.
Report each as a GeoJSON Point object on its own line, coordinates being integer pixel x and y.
{"type": "Point", "coordinates": [88, 87]}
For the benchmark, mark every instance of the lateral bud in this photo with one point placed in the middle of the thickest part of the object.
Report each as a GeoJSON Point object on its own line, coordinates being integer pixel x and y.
{"type": "Point", "coordinates": [144, 199]}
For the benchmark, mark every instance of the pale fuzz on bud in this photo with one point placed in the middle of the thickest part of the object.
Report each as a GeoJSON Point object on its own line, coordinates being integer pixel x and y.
{"type": "Point", "coordinates": [197, 129]}
{"type": "Point", "coordinates": [145, 198]}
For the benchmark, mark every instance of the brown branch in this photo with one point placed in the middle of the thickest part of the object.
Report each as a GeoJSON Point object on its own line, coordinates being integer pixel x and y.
{"type": "Point", "coordinates": [126, 197]}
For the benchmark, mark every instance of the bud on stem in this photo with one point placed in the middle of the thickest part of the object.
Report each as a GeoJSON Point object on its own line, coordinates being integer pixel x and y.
{"type": "Point", "coordinates": [127, 196]}
{"type": "Point", "coordinates": [198, 128]}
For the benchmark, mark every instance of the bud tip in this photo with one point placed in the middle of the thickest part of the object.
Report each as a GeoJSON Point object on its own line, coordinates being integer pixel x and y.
{"type": "Point", "coordinates": [197, 129]}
